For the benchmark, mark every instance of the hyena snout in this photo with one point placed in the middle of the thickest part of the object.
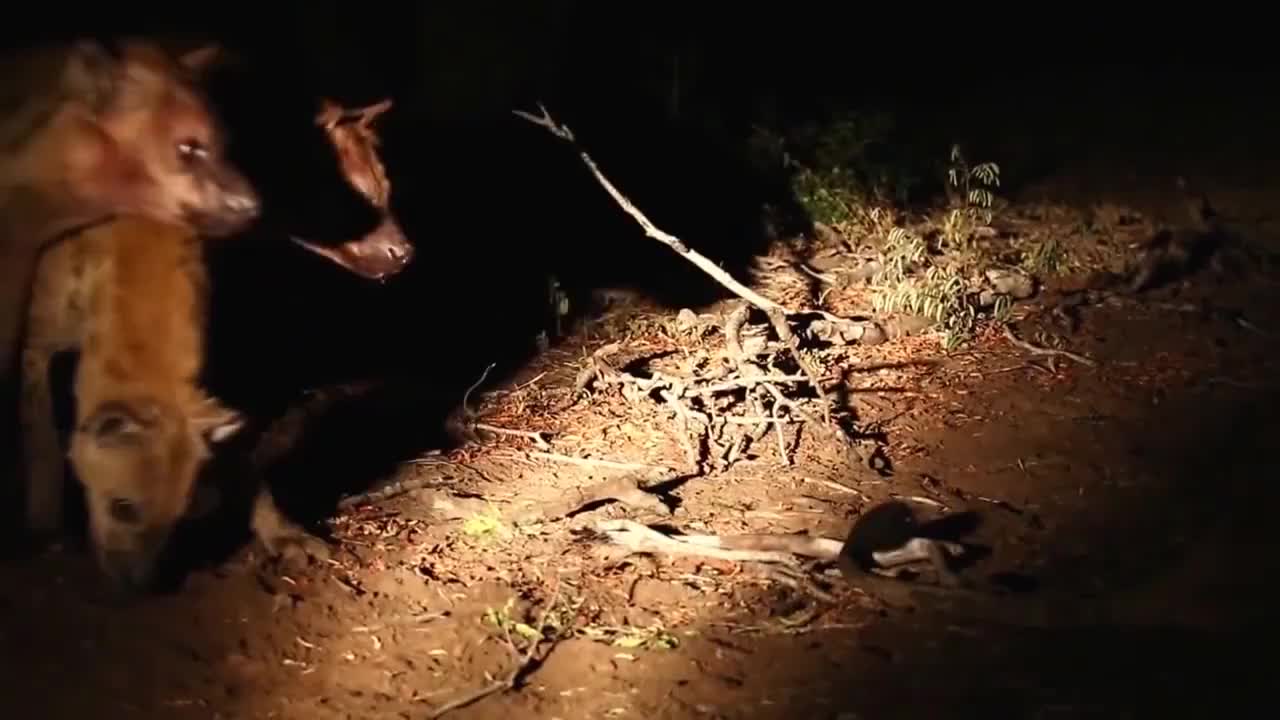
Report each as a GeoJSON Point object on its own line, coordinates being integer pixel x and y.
{"type": "Point", "coordinates": [225, 204]}
{"type": "Point", "coordinates": [379, 255]}
{"type": "Point", "coordinates": [130, 564]}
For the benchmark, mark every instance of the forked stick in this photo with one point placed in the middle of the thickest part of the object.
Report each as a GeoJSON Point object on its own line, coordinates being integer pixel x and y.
{"type": "Point", "coordinates": [776, 313]}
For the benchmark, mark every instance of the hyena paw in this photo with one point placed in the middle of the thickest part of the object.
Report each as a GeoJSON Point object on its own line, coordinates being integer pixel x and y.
{"type": "Point", "coordinates": [295, 545]}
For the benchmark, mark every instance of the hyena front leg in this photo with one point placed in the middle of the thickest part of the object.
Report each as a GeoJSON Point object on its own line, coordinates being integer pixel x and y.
{"type": "Point", "coordinates": [43, 465]}
{"type": "Point", "coordinates": [282, 537]}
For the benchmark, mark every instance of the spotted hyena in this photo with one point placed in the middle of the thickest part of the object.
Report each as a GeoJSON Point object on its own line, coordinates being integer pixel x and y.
{"type": "Point", "coordinates": [130, 296]}
{"type": "Point", "coordinates": [89, 131]}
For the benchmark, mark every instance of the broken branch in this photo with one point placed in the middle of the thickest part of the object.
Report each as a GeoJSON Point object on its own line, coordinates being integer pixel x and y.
{"type": "Point", "coordinates": [640, 538]}
{"type": "Point", "coordinates": [1037, 350]}
{"type": "Point", "coordinates": [625, 490]}
{"type": "Point", "coordinates": [590, 462]}
{"type": "Point", "coordinates": [534, 435]}
{"type": "Point", "coordinates": [651, 230]}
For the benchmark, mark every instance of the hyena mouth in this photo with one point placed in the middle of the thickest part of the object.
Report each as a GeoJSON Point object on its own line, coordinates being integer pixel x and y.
{"type": "Point", "coordinates": [235, 216]}
{"type": "Point", "coordinates": [130, 572]}
{"type": "Point", "coordinates": [371, 259]}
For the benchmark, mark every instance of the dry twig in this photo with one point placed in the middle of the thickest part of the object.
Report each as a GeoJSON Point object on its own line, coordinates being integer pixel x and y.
{"type": "Point", "coordinates": [640, 538]}
{"type": "Point", "coordinates": [594, 462]}
{"type": "Point", "coordinates": [534, 435]}
{"type": "Point", "coordinates": [513, 677]}
{"type": "Point", "coordinates": [625, 490]}
{"type": "Point", "coordinates": [1051, 352]}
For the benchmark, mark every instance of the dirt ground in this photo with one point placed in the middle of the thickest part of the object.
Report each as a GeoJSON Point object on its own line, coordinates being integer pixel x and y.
{"type": "Point", "coordinates": [1144, 483]}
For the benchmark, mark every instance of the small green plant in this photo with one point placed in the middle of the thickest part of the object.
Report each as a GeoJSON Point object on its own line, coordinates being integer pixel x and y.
{"type": "Point", "coordinates": [839, 165]}
{"type": "Point", "coordinates": [1002, 309]}
{"type": "Point", "coordinates": [1049, 257]}
{"type": "Point", "coordinates": [501, 619]}
{"type": "Point", "coordinates": [901, 252]}
{"type": "Point", "coordinates": [485, 526]}
{"type": "Point", "coordinates": [654, 637]}
{"type": "Point", "coordinates": [940, 295]}
{"type": "Point", "coordinates": [973, 184]}
{"type": "Point", "coordinates": [828, 197]}
{"type": "Point", "coordinates": [972, 198]}
{"type": "Point", "coordinates": [839, 174]}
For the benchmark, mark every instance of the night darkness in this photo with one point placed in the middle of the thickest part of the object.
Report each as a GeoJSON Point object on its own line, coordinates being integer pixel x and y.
{"type": "Point", "coordinates": [1141, 481]}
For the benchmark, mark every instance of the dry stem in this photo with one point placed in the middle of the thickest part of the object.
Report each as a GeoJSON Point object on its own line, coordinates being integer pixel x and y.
{"type": "Point", "coordinates": [625, 490]}
{"type": "Point", "coordinates": [534, 435]}
{"type": "Point", "coordinates": [589, 462]}
{"type": "Point", "coordinates": [1051, 352]}
{"type": "Point", "coordinates": [640, 538]}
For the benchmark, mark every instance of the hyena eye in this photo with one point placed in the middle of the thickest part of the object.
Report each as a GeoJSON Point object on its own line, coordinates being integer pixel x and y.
{"type": "Point", "coordinates": [191, 149]}
{"type": "Point", "coordinates": [125, 511]}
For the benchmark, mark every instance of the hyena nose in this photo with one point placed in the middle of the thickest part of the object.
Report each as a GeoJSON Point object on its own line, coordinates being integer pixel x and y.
{"type": "Point", "coordinates": [400, 253]}
{"type": "Point", "coordinates": [129, 573]}
{"type": "Point", "coordinates": [242, 204]}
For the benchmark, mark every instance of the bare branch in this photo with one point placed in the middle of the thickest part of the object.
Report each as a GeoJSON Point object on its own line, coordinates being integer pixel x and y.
{"type": "Point", "coordinates": [534, 435]}
{"type": "Point", "coordinates": [640, 538]}
{"type": "Point", "coordinates": [625, 490]}
{"type": "Point", "coordinates": [1037, 350]}
{"type": "Point", "coordinates": [589, 462]}
{"type": "Point", "coordinates": [651, 230]}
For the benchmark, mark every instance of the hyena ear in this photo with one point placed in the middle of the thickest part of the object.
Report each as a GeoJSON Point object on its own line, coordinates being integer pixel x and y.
{"type": "Point", "coordinates": [216, 422]}
{"type": "Point", "coordinates": [114, 424]}
{"type": "Point", "coordinates": [371, 113]}
{"type": "Point", "coordinates": [329, 115]}
{"type": "Point", "coordinates": [204, 59]}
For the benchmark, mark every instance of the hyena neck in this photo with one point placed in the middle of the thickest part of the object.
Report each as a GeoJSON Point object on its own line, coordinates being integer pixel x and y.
{"type": "Point", "coordinates": [33, 218]}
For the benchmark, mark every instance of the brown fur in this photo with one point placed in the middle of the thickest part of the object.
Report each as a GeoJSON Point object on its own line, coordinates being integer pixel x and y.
{"type": "Point", "coordinates": [385, 251]}
{"type": "Point", "coordinates": [130, 296]}
{"type": "Point", "coordinates": [86, 134]}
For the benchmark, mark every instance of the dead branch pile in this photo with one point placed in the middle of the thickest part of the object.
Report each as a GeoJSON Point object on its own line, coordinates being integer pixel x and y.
{"type": "Point", "coordinates": [723, 402]}
{"type": "Point", "coordinates": [750, 379]}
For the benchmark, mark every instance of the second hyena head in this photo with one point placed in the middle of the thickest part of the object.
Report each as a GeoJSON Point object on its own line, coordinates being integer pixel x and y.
{"type": "Point", "coordinates": [147, 141]}
{"type": "Point", "coordinates": [384, 251]}
{"type": "Point", "coordinates": [138, 461]}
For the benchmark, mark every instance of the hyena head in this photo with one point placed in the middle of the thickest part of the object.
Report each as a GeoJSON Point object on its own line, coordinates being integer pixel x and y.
{"type": "Point", "coordinates": [385, 251]}
{"type": "Point", "coordinates": [152, 144]}
{"type": "Point", "coordinates": [138, 461]}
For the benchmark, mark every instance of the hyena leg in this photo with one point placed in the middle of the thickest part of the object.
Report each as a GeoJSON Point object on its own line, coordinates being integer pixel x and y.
{"type": "Point", "coordinates": [282, 537]}
{"type": "Point", "coordinates": [42, 455]}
